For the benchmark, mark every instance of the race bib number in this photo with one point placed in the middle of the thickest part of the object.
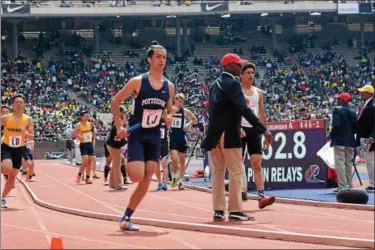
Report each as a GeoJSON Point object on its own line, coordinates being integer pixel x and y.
{"type": "Point", "coordinates": [162, 133]}
{"type": "Point", "coordinates": [177, 122]}
{"type": "Point", "coordinates": [87, 136]}
{"type": "Point", "coordinates": [15, 141]}
{"type": "Point", "coordinates": [151, 118]}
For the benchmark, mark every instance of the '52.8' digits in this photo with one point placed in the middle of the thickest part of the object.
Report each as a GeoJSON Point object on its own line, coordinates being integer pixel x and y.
{"type": "Point", "coordinates": [299, 147]}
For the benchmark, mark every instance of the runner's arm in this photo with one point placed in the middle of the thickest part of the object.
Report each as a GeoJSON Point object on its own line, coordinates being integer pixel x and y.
{"type": "Point", "coordinates": [3, 119]}
{"type": "Point", "coordinates": [94, 132]}
{"type": "Point", "coordinates": [76, 133]}
{"type": "Point", "coordinates": [131, 87]}
{"type": "Point", "coordinates": [29, 133]}
{"type": "Point", "coordinates": [171, 97]}
{"type": "Point", "coordinates": [191, 116]}
{"type": "Point", "coordinates": [262, 112]}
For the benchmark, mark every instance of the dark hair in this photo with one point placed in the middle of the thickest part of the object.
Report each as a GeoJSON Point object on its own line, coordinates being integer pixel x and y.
{"type": "Point", "coordinates": [83, 113]}
{"type": "Point", "coordinates": [18, 96]}
{"type": "Point", "coordinates": [151, 49]}
{"type": "Point", "coordinates": [249, 65]}
{"type": "Point", "coordinates": [4, 107]}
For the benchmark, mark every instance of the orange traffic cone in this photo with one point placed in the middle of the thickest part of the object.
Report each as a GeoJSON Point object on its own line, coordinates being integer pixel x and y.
{"type": "Point", "coordinates": [56, 243]}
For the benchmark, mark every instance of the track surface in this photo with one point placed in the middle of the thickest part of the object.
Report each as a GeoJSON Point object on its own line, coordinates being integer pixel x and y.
{"type": "Point", "coordinates": [26, 225]}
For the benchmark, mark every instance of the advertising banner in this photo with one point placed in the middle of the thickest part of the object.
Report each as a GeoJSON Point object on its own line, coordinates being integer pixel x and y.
{"type": "Point", "coordinates": [214, 6]}
{"type": "Point", "coordinates": [291, 162]}
{"type": "Point", "coordinates": [10, 9]}
{"type": "Point", "coordinates": [347, 8]}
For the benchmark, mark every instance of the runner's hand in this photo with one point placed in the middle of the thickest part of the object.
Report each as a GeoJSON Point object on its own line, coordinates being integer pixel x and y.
{"type": "Point", "coordinates": [168, 120]}
{"type": "Point", "coordinates": [267, 138]}
{"type": "Point", "coordinates": [243, 134]}
{"type": "Point", "coordinates": [121, 134]}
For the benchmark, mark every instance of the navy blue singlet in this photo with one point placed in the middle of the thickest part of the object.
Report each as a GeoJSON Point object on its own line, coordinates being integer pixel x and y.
{"type": "Point", "coordinates": [149, 105]}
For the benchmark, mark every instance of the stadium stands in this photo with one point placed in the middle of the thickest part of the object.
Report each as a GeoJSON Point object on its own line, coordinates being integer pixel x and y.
{"type": "Point", "coordinates": [305, 71]}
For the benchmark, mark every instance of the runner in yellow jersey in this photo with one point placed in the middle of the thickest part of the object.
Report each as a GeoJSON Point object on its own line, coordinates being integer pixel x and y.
{"type": "Point", "coordinates": [17, 127]}
{"type": "Point", "coordinates": [83, 132]}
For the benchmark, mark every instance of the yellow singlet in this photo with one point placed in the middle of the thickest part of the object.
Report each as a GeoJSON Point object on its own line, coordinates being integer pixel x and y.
{"type": "Point", "coordinates": [13, 137]}
{"type": "Point", "coordinates": [85, 132]}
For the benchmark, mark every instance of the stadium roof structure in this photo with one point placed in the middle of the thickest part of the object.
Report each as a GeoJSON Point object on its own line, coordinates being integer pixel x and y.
{"type": "Point", "coordinates": [146, 8]}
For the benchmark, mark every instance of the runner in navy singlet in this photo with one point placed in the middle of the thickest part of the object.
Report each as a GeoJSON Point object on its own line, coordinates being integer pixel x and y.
{"type": "Point", "coordinates": [178, 142]}
{"type": "Point", "coordinates": [152, 94]}
{"type": "Point", "coordinates": [164, 152]}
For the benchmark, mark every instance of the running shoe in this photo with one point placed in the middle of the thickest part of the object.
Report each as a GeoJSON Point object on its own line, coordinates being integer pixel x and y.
{"type": "Point", "coordinates": [266, 201]}
{"type": "Point", "coordinates": [78, 180]}
{"type": "Point", "coordinates": [240, 216]}
{"type": "Point", "coordinates": [121, 188]}
{"type": "Point", "coordinates": [164, 186]}
{"type": "Point", "coordinates": [174, 182]}
{"type": "Point", "coordinates": [126, 182]}
{"type": "Point", "coordinates": [126, 225]}
{"type": "Point", "coordinates": [244, 196]}
{"type": "Point", "coordinates": [219, 216]}
{"type": "Point", "coordinates": [88, 181]}
{"type": "Point", "coordinates": [160, 187]}
{"type": "Point", "coordinates": [180, 185]}
{"type": "Point", "coordinates": [106, 182]}
{"type": "Point", "coordinates": [4, 203]}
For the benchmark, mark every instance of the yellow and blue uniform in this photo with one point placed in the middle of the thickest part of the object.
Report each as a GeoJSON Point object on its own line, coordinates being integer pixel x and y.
{"type": "Point", "coordinates": [13, 140]}
{"type": "Point", "coordinates": [86, 146]}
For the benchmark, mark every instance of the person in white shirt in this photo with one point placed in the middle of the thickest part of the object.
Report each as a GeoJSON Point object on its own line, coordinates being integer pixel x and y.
{"type": "Point", "coordinates": [251, 137]}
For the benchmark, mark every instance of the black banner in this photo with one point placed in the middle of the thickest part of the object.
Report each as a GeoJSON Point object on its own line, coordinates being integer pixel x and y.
{"type": "Point", "coordinates": [366, 8]}
{"type": "Point", "coordinates": [215, 7]}
{"type": "Point", "coordinates": [11, 9]}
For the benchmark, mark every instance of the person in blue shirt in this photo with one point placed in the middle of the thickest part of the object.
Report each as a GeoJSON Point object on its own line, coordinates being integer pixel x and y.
{"type": "Point", "coordinates": [344, 123]}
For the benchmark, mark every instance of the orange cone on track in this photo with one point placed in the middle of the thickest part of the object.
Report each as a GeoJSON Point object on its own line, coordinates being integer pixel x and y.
{"type": "Point", "coordinates": [56, 243]}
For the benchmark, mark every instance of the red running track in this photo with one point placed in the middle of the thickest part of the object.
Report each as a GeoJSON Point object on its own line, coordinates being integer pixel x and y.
{"type": "Point", "coordinates": [26, 225]}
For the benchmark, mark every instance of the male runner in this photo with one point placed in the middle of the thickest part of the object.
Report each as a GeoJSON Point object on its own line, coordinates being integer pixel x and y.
{"type": "Point", "coordinates": [153, 94]}
{"type": "Point", "coordinates": [4, 111]}
{"type": "Point", "coordinates": [164, 151]}
{"type": "Point", "coordinates": [29, 160]}
{"type": "Point", "coordinates": [17, 127]}
{"type": "Point", "coordinates": [83, 132]}
{"type": "Point", "coordinates": [253, 138]}
{"type": "Point", "coordinates": [114, 148]}
{"type": "Point", "coordinates": [178, 143]}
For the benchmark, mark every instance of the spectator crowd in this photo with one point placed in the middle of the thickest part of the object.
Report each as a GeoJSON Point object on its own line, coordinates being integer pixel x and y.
{"type": "Point", "coordinates": [309, 84]}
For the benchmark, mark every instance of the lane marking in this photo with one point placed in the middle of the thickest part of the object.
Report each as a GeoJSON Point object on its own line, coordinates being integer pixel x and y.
{"type": "Point", "coordinates": [77, 238]}
{"type": "Point", "coordinates": [86, 195]}
{"type": "Point", "coordinates": [39, 220]}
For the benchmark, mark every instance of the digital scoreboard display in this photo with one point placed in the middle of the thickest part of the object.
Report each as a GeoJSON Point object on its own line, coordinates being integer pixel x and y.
{"type": "Point", "coordinates": [291, 161]}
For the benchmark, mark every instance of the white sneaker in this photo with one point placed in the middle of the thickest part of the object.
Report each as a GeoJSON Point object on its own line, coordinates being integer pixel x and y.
{"type": "Point", "coordinates": [4, 203]}
{"type": "Point", "coordinates": [106, 183]}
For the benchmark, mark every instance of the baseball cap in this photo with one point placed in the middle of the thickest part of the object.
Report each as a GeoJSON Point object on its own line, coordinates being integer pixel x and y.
{"type": "Point", "coordinates": [232, 58]}
{"type": "Point", "coordinates": [367, 88]}
{"type": "Point", "coordinates": [344, 97]}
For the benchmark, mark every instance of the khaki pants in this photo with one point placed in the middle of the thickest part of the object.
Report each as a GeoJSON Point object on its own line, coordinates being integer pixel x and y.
{"type": "Point", "coordinates": [369, 157]}
{"type": "Point", "coordinates": [344, 165]}
{"type": "Point", "coordinates": [220, 159]}
{"type": "Point", "coordinates": [115, 174]}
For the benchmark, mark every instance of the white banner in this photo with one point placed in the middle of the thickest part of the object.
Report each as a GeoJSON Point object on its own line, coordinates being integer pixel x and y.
{"type": "Point", "coordinates": [348, 8]}
{"type": "Point", "coordinates": [327, 155]}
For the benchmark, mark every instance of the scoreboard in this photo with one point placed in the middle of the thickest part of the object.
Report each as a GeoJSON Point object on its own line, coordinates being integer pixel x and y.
{"type": "Point", "coordinates": [291, 161]}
